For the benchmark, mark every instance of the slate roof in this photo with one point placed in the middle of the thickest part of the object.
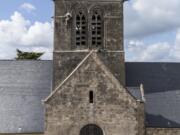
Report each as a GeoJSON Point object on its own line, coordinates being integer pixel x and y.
{"type": "Point", "coordinates": [135, 91]}
{"type": "Point", "coordinates": [156, 77]}
{"type": "Point", "coordinates": [162, 91]}
{"type": "Point", "coordinates": [23, 84]}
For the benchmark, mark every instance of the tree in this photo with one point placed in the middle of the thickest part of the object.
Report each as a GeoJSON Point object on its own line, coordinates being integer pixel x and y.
{"type": "Point", "coordinates": [28, 55]}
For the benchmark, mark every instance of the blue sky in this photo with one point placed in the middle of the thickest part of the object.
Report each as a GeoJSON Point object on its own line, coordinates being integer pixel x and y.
{"type": "Point", "coordinates": [27, 25]}
{"type": "Point", "coordinates": [152, 29]}
{"type": "Point", "coordinates": [44, 9]}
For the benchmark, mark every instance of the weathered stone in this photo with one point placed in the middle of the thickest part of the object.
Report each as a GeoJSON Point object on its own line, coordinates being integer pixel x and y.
{"type": "Point", "coordinates": [65, 50]}
{"type": "Point", "coordinates": [114, 110]}
{"type": "Point", "coordinates": [77, 73]}
{"type": "Point", "coordinates": [68, 109]}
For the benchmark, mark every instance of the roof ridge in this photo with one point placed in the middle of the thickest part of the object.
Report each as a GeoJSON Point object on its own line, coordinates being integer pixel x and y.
{"type": "Point", "coordinates": [56, 89]}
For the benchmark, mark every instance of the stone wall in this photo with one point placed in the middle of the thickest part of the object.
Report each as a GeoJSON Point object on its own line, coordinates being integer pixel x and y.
{"type": "Point", "coordinates": [141, 118]}
{"type": "Point", "coordinates": [162, 131]}
{"type": "Point", "coordinates": [65, 62]}
{"type": "Point", "coordinates": [112, 19]}
{"type": "Point", "coordinates": [114, 109]}
{"type": "Point", "coordinates": [67, 56]}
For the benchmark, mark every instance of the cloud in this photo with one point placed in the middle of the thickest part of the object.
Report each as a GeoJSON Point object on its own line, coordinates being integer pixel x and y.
{"type": "Point", "coordinates": [175, 52]}
{"type": "Point", "coordinates": [138, 50]}
{"type": "Point", "coordinates": [28, 7]}
{"type": "Point", "coordinates": [18, 32]}
{"type": "Point", "coordinates": [148, 17]}
{"type": "Point", "coordinates": [153, 52]}
{"type": "Point", "coordinates": [149, 29]}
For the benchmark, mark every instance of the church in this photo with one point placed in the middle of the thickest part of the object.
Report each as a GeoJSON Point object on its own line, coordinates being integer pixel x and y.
{"type": "Point", "coordinates": [88, 88]}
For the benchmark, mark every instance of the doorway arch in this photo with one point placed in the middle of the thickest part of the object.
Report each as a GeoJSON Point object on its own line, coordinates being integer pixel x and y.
{"type": "Point", "coordinates": [91, 129]}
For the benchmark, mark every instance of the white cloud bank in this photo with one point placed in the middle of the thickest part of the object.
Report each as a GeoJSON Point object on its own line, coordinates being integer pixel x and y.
{"type": "Point", "coordinates": [161, 51]}
{"type": "Point", "coordinates": [28, 7]}
{"type": "Point", "coordinates": [18, 32]}
{"type": "Point", "coordinates": [147, 17]}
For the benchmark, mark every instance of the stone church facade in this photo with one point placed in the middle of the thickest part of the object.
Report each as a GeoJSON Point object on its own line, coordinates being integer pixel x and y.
{"type": "Point", "coordinates": [93, 89]}
{"type": "Point", "coordinates": [89, 96]}
{"type": "Point", "coordinates": [70, 108]}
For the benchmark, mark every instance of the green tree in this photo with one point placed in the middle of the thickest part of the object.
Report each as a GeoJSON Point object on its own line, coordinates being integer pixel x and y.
{"type": "Point", "coordinates": [28, 55]}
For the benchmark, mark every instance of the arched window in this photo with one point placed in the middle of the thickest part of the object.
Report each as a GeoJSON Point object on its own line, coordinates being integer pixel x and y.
{"type": "Point", "coordinates": [80, 29]}
{"type": "Point", "coordinates": [96, 28]}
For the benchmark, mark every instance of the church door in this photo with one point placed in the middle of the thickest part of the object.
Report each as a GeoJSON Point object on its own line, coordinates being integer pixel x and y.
{"type": "Point", "coordinates": [91, 129]}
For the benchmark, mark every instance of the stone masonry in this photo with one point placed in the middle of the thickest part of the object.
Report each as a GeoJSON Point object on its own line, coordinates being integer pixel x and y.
{"type": "Point", "coordinates": [67, 56]}
{"type": "Point", "coordinates": [114, 109]}
{"type": "Point", "coordinates": [89, 86]}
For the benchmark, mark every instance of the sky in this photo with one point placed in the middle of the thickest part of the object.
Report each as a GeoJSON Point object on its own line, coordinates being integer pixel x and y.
{"type": "Point", "coordinates": [151, 29]}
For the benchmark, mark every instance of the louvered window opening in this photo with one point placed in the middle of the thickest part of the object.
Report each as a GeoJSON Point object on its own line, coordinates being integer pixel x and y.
{"type": "Point", "coordinates": [96, 26]}
{"type": "Point", "coordinates": [81, 28]}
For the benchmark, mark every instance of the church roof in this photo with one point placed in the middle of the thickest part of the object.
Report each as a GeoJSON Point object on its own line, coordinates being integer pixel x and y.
{"type": "Point", "coordinates": [23, 84]}
{"type": "Point", "coordinates": [162, 91]}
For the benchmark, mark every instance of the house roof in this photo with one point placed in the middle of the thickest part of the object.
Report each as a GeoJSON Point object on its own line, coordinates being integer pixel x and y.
{"type": "Point", "coordinates": [135, 91]}
{"type": "Point", "coordinates": [23, 84]}
{"type": "Point", "coordinates": [156, 77]}
{"type": "Point", "coordinates": [162, 91]}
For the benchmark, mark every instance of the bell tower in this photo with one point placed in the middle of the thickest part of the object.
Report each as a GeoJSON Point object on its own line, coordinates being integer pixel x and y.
{"type": "Point", "coordinates": [88, 96]}
{"type": "Point", "coordinates": [83, 25]}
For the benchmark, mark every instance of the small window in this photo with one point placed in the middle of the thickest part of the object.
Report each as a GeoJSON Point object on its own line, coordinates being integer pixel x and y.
{"type": "Point", "coordinates": [91, 97]}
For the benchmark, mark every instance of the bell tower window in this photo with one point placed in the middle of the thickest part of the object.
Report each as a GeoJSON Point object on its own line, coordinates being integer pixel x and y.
{"type": "Point", "coordinates": [96, 29]}
{"type": "Point", "coordinates": [80, 29]}
{"type": "Point", "coordinates": [88, 28]}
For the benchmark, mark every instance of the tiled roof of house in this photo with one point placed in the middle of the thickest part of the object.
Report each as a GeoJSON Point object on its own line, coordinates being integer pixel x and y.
{"type": "Point", "coordinates": [162, 91]}
{"type": "Point", "coordinates": [23, 84]}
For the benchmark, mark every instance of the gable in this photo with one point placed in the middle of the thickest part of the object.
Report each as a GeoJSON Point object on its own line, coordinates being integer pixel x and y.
{"type": "Point", "coordinates": [92, 74]}
{"type": "Point", "coordinates": [71, 103]}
